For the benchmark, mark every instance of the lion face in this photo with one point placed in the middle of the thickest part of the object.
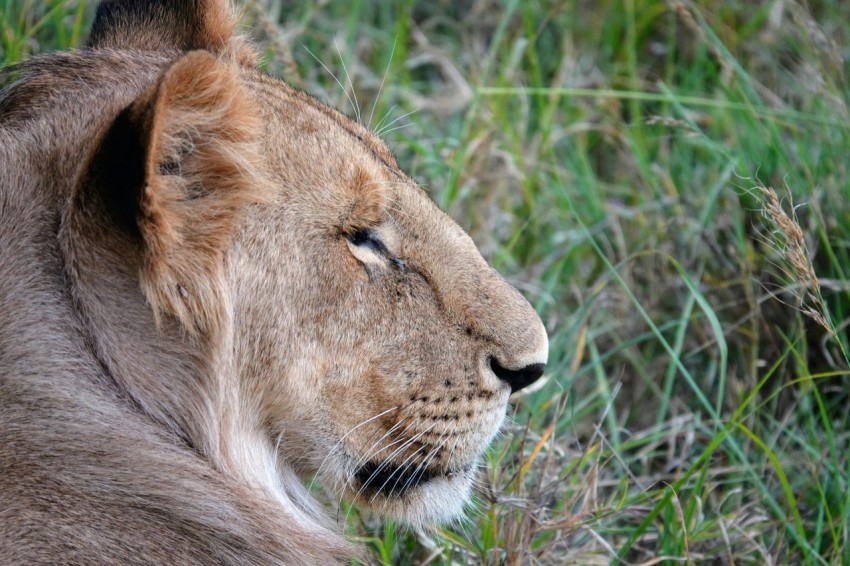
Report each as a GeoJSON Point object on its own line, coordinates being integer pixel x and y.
{"type": "Point", "coordinates": [384, 345]}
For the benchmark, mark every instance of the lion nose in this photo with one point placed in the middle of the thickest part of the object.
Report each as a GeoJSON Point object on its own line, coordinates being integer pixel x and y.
{"type": "Point", "coordinates": [517, 378]}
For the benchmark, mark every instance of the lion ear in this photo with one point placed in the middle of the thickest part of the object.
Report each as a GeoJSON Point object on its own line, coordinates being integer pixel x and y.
{"type": "Point", "coordinates": [175, 170]}
{"type": "Point", "coordinates": [158, 25]}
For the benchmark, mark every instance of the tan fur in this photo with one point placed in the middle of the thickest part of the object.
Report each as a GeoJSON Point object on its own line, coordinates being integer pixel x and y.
{"type": "Point", "coordinates": [196, 109]}
{"type": "Point", "coordinates": [213, 288]}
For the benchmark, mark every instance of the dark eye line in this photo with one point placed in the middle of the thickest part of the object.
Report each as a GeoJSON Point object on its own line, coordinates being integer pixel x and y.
{"type": "Point", "coordinates": [367, 238]}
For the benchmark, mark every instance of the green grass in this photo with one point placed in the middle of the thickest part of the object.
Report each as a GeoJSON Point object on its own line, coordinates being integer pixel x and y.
{"type": "Point", "coordinates": [609, 157]}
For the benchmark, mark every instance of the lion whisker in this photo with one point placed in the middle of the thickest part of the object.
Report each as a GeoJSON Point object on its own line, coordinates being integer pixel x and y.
{"type": "Point", "coordinates": [387, 461]}
{"type": "Point", "coordinates": [339, 442]}
{"type": "Point", "coordinates": [350, 83]}
{"type": "Point", "coordinates": [401, 127]}
{"type": "Point", "coordinates": [400, 471]}
{"type": "Point", "coordinates": [387, 115]}
{"type": "Point", "coordinates": [423, 465]}
{"type": "Point", "coordinates": [381, 87]}
{"type": "Point", "coordinates": [372, 452]}
{"type": "Point", "coordinates": [397, 451]}
{"type": "Point", "coordinates": [441, 440]}
{"type": "Point", "coordinates": [383, 130]}
{"type": "Point", "coordinates": [389, 458]}
{"type": "Point", "coordinates": [331, 73]}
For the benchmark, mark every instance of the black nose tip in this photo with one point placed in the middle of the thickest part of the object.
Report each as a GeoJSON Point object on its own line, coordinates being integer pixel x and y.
{"type": "Point", "coordinates": [517, 378]}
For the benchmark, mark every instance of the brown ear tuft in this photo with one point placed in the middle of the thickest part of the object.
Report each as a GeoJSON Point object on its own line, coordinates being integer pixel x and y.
{"type": "Point", "coordinates": [176, 169]}
{"type": "Point", "coordinates": [161, 25]}
{"type": "Point", "coordinates": [202, 168]}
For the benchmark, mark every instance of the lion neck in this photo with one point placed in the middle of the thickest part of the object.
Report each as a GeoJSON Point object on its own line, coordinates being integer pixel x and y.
{"type": "Point", "coordinates": [161, 373]}
{"type": "Point", "coordinates": [188, 385]}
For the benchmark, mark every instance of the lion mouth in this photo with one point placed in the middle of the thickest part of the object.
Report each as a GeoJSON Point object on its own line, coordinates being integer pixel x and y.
{"type": "Point", "coordinates": [390, 480]}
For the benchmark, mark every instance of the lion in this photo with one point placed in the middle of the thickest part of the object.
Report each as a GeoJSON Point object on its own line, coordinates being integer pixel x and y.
{"type": "Point", "coordinates": [214, 288]}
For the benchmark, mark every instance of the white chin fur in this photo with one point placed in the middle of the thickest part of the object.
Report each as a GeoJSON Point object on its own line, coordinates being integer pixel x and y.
{"type": "Point", "coordinates": [438, 501]}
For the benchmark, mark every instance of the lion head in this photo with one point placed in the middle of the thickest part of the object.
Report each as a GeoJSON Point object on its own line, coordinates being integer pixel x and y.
{"type": "Point", "coordinates": [259, 280]}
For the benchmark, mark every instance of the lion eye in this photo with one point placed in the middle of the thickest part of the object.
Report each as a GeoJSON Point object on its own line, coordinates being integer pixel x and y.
{"type": "Point", "coordinates": [368, 247]}
{"type": "Point", "coordinates": [367, 239]}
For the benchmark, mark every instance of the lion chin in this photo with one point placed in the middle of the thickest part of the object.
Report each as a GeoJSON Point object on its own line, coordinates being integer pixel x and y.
{"type": "Point", "coordinates": [214, 288]}
{"type": "Point", "coordinates": [419, 497]}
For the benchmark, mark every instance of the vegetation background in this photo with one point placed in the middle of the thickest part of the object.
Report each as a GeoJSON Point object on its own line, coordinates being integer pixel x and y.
{"type": "Point", "coordinates": [667, 181]}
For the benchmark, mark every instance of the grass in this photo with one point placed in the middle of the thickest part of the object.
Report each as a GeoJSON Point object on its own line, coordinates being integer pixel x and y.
{"type": "Point", "coordinates": [667, 182]}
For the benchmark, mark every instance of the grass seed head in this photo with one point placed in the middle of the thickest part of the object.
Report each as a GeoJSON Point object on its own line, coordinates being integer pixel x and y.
{"type": "Point", "coordinates": [789, 241]}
